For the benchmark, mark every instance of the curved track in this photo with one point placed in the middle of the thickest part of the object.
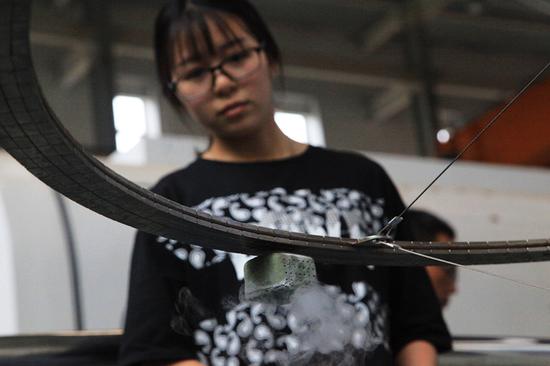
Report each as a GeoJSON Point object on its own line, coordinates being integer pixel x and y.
{"type": "Point", "coordinates": [31, 133]}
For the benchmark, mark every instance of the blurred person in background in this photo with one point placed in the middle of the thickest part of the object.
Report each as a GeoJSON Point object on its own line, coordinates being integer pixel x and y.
{"type": "Point", "coordinates": [428, 227]}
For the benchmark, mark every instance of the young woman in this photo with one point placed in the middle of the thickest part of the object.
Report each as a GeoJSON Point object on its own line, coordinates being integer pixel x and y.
{"type": "Point", "coordinates": [216, 61]}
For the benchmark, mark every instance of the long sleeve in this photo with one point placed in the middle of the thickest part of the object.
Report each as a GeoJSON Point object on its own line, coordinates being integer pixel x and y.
{"type": "Point", "coordinates": [416, 314]}
{"type": "Point", "coordinates": [154, 282]}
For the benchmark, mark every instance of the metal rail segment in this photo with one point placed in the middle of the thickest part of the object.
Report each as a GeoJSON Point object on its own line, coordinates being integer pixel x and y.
{"type": "Point", "coordinates": [32, 134]}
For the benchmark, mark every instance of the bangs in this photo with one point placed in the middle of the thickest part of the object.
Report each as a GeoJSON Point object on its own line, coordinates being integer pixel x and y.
{"type": "Point", "coordinates": [192, 32]}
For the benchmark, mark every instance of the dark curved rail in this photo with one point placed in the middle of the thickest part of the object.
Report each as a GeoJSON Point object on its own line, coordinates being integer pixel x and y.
{"type": "Point", "coordinates": [32, 134]}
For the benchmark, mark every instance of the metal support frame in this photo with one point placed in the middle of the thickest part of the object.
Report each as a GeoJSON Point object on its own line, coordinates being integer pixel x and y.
{"type": "Point", "coordinates": [423, 100]}
{"type": "Point", "coordinates": [395, 21]}
{"type": "Point", "coordinates": [102, 77]}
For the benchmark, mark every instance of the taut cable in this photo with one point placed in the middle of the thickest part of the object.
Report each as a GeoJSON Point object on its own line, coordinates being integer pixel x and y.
{"type": "Point", "coordinates": [517, 282]}
{"type": "Point", "coordinates": [392, 224]}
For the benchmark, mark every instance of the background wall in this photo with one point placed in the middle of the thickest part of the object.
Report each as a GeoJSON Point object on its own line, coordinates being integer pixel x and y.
{"type": "Point", "coordinates": [487, 202]}
{"type": "Point", "coordinates": [344, 109]}
{"type": "Point", "coordinates": [36, 249]}
{"type": "Point", "coordinates": [8, 311]}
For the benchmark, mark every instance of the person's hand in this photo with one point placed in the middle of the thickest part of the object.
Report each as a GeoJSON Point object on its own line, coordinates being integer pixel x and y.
{"type": "Point", "coordinates": [417, 353]}
{"type": "Point", "coordinates": [187, 363]}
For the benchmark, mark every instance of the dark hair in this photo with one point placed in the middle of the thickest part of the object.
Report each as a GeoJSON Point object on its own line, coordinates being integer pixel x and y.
{"type": "Point", "coordinates": [425, 226]}
{"type": "Point", "coordinates": [187, 18]}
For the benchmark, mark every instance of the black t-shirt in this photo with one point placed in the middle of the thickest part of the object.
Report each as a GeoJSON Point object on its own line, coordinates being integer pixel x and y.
{"type": "Point", "coordinates": [372, 311]}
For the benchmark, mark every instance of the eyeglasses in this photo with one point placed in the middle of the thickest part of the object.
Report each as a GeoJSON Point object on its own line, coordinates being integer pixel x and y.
{"type": "Point", "coordinates": [198, 81]}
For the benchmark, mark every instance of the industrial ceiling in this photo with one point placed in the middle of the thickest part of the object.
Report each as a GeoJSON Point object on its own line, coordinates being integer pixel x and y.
{"type": "Point", "coordinates": [429, 63]}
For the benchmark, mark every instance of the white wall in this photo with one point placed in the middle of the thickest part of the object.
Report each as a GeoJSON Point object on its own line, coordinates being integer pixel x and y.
{"type": "Point", "coordinates": [8, 305]}
{"type": "Point", "coordinates": [39, 261]}
{"type": "Point", "coordinates": [35, 281]}
{"type": "Point", "coordinates": [487, 202]}
{"type": "Point", "coordinates": [103, 250]}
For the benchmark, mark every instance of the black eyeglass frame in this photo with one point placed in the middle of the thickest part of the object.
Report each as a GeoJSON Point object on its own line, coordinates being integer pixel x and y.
{"type": "Point", "coordinates": [212, 70]}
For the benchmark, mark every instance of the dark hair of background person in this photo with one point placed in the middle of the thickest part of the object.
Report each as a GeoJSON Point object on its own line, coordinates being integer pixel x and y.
{"type": "Point", "coordinates": [186, 21]}
{"type": "Point", "coordinates": [425, 226]}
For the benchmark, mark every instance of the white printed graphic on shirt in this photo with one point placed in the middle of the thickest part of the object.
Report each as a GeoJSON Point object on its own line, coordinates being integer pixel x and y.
{"type": "Point", "coordinates": [338, 212]}
{"type": "Point", "coordinates": [320, 321]}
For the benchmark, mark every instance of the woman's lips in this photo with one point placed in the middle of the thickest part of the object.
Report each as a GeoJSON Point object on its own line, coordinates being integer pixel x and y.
{"type": "Point", "coordinates": [234, 110]}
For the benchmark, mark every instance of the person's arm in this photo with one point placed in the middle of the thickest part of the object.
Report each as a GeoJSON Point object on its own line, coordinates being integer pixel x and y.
{"type": "Point", "coordinates": [416, 353]}
{"type": "Point", "coordinates": [148, 336]}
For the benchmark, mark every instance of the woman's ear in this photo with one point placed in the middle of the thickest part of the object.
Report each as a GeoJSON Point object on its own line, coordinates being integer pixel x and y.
{"type": "Point", "coordinates": [274, 69]}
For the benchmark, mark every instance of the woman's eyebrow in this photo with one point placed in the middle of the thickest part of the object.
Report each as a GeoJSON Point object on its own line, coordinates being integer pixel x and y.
{"type": "Point", "coordinates": [232, 43]}
{"type": "Point", "coordinates": [222, 48]}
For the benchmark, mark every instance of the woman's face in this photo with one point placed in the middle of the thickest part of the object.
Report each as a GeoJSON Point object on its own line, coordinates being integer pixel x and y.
{"type": "Point", "coordinates": [231, 108]}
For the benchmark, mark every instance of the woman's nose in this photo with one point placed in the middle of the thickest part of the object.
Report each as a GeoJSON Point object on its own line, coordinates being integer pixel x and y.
{"type": "Point", "coordinates": [223, 84]}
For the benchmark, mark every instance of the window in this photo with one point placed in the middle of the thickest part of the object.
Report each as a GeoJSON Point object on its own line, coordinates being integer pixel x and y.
{"type": "Point", "coordinates": [299, 118]}
{"type": "Point", "coordinates": [294, 125]}
{"type": "Point", "coordinates": [135, 117]}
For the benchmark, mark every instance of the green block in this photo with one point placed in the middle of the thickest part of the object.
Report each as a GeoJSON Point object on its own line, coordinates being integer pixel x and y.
{"type": "Point", "coordinates": [273, 278]}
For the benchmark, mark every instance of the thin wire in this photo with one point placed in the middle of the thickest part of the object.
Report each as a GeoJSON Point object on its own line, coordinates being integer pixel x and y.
{"type": "Point", "coordinates": [517, 282]}
{"type": "Point", "coordinates": [487, 126]}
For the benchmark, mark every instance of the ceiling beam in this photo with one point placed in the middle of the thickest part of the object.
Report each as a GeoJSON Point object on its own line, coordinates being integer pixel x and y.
{"type": "Point", "coordinates": [541, 6]}
{"type": "Point", "coordinates": [354, 4]}
{"type": "Point", "coordinates": [76, 66]}
{"type": "Point", "coordinates": [374, 80]}
{"type": "Point", "coordinates": [389, 104]}
{"type": "Point", "coordinates": [394, 22]}
{"type": "Point", "coordinates": [364, 78]}
{"type": "Point", "coordinates": [497, 25]}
